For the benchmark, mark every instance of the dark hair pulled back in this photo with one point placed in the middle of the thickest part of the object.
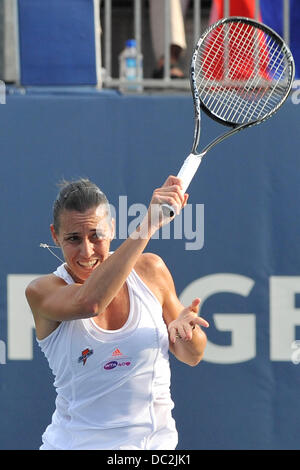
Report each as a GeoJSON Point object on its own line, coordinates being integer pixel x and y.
{"type": "Point", "coordinates": [79, 195]}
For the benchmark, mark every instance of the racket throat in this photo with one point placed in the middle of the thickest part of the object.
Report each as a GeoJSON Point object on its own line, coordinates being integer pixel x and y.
{"type": "Point", "coordinates": [220, 138]}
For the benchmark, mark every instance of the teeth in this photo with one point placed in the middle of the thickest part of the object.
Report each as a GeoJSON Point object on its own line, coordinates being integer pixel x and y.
{"type": "Point", "coordinates": [90, 264]}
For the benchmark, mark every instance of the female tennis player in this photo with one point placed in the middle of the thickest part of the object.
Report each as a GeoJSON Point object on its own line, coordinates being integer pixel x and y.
{"type": "Point", "coordinates": [105, 322]}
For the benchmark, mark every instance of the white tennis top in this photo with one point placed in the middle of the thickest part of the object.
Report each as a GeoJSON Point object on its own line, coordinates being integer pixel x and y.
{"type": "Point", "coordinates": [113, 386]}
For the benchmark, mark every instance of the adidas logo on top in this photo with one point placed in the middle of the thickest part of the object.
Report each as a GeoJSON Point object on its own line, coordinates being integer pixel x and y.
{"type": "Point", "coordinates": [117, 352]}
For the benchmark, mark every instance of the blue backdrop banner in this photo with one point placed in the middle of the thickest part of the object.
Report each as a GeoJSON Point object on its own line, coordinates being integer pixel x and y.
{"type": "Point", "coordinates": [239, 252]}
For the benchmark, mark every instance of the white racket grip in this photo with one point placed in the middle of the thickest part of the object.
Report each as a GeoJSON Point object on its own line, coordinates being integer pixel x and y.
{"type": "Point", "coordinates": [186, 174]}
{"type": "Point", "coordinates": [188, 169]}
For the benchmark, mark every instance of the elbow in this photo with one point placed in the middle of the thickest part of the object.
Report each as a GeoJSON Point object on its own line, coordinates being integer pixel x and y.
{"type": "Point", "coordinates": [195, 360]}
{"type": "Point", "coordinates": [91, 309]}
{"type": "Point", "coordinates": [86, 306]}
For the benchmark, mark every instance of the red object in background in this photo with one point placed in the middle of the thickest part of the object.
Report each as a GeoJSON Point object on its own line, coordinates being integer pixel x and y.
{"type": "Point", "coordinates": [242, 62]}
{"type": "Point", "coordinates": [241, 51]}
{"type": "Point", "coordinates": [236, 8]}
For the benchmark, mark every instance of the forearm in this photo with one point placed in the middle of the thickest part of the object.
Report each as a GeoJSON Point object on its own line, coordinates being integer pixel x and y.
{"type": "Point", "coordinates": [102, 286]}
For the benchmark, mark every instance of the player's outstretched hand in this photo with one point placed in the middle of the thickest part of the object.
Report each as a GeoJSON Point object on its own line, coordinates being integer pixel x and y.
{"type": "Point", "coordinates": [186, 322]}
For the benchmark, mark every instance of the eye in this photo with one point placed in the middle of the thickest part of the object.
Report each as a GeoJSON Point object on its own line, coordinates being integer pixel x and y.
{"type": "Point", "coordinates": [73, 238]}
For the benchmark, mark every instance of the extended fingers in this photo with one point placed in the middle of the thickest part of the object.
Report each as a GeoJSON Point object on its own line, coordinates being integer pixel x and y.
{"type": "Point", "coordinates": [173, 332]}
{"type": "Point", "coordinates": [188, 331]}
{"type": "Point", "coordinates": [194, 307]}
{"type": "Point", "coordinates": [176, 330]}
{"type": "Point", "coordinates": [192, 318]}
{"type": "Point", "coordinates": [181, 331]}
{"type": "Point", "coordinates": [187, 321]}
{"type": "Point", "coordinates": [200, 321]}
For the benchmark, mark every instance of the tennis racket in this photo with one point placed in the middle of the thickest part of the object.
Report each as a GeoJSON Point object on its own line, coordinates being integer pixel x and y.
{"type": "Point", "coordinates": [241, 73]}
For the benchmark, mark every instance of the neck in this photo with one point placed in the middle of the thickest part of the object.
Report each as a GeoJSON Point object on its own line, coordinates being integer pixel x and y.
{"type": "Point", "coordinates": [73, 276]}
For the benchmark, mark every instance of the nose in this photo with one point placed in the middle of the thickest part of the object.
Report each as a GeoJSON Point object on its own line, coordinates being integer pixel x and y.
{"type": "Point", "coordinates": [86, 249]}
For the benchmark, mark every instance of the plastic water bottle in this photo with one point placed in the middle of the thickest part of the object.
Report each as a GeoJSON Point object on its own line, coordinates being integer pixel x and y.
{"type": "Point", "coordinates": [131, 68]}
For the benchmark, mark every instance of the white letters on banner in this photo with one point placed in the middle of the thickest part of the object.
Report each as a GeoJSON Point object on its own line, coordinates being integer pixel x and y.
{"type": "Point", "coordinates": [2, 352]}
{"type": "Point", "coordinates": [20, 324]}
{"type": "Point", "coordinates": [284, 317]}
{"type": "Point", "coordinates": [241, 326]}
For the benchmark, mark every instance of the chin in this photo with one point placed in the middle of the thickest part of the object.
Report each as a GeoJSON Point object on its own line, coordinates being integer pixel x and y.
{"type": "Point", "coordinates": [84, 271]}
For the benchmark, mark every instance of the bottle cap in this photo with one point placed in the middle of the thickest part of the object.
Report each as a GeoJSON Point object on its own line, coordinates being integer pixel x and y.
{"type": "Point", "coordinates": [131, 43]}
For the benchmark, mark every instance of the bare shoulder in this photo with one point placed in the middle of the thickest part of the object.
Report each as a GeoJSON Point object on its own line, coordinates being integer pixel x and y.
{"type": "Point", "coordinates": [150, 263]}
{"type": "Point", "coordinates": [154, 272]}
{"type": "Point", "coordinates": [35, 293]}
{"type": "Point", "coordinates": [41, 286]}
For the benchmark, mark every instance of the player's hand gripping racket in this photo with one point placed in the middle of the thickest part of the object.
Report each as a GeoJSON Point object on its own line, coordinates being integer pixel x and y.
{"type": "Point", "coordinates": [241, 73]}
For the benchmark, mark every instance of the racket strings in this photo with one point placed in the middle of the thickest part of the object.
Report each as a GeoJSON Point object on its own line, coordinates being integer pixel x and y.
{"type": "Point", "coordinates": [215, 48]}
{"type": "Point", "coordinates": [238, 62]}
{"type": "Point", "coordinates": [265, 106]}
{"type": "Point", "coordinates": [226, 96]}
{"type": "Point", "coordinates": [223, 95]}
{"type": "Point", "coordinates": [216, 66]}
{"type": "Point", "coordinates": [229, 97]}
{"type": "Point", "coordinates": [255, 93]}
{"type": "Point", "coordinates": [241, 72]}
{"type": "Point", "coordinates": [222, 41]}
{"type": "Point", "coordinates": [257, 97]}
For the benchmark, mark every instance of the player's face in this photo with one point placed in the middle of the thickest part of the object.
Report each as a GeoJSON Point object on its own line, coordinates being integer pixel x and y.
{"type": "Point", "coordinates": [84, 239]}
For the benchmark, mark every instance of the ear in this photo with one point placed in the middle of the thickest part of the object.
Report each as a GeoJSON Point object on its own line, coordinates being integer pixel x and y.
{"type": "Point", "coordinates": [54, 236]}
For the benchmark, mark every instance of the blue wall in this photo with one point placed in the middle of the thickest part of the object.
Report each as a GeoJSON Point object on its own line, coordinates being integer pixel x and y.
{"type": "Point", "coordinates": [249, 186]}
{"type": "Point", "coordinates": [57, 42]}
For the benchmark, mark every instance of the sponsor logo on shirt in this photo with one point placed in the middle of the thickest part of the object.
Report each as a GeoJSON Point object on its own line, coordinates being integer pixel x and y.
{"type": "Point", "coordinates": [117, 361]}
{"type": "Point", "coordinates": [110, 365]}
{"type": "Point", "coordinates": [84, 355]}
{"type": "Point", "coordinates": [117, 352]}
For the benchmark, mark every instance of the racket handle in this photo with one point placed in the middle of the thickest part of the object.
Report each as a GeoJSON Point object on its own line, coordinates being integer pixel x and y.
{"type": "Point", "coordinates": [188, 169]}
{"type": "Point", "coordinates": [186, 174]}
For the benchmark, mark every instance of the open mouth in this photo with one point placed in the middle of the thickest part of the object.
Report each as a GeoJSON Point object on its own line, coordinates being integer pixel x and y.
{"type": "Point", "coordinates": [88, 264]}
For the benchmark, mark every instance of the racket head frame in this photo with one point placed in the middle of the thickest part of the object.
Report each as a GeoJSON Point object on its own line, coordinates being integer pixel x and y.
{"type": "Point", "coordinates": [198, 103]}
{"type": "Point", "coordinates": [192, 162]}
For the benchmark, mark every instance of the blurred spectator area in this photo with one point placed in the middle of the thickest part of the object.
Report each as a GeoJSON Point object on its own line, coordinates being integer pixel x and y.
{"type": "Point", "coordinates": [39, 48]}
{"type": "Point", "coordinates": [122, 25]}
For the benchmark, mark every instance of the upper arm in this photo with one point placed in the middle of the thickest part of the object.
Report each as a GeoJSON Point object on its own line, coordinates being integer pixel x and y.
{"type": "Point", "coordinates": [160, 280]}
{"type": "Point", "coordinates": [51, 298]}
{"type": "Point", "coordinates": [164, 288]}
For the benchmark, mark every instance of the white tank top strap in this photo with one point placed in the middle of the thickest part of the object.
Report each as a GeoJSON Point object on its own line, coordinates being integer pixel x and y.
{"type": "Point", "coordinates": [63, 274]}
{"type": "Point", "coordinates": [141, 289]}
